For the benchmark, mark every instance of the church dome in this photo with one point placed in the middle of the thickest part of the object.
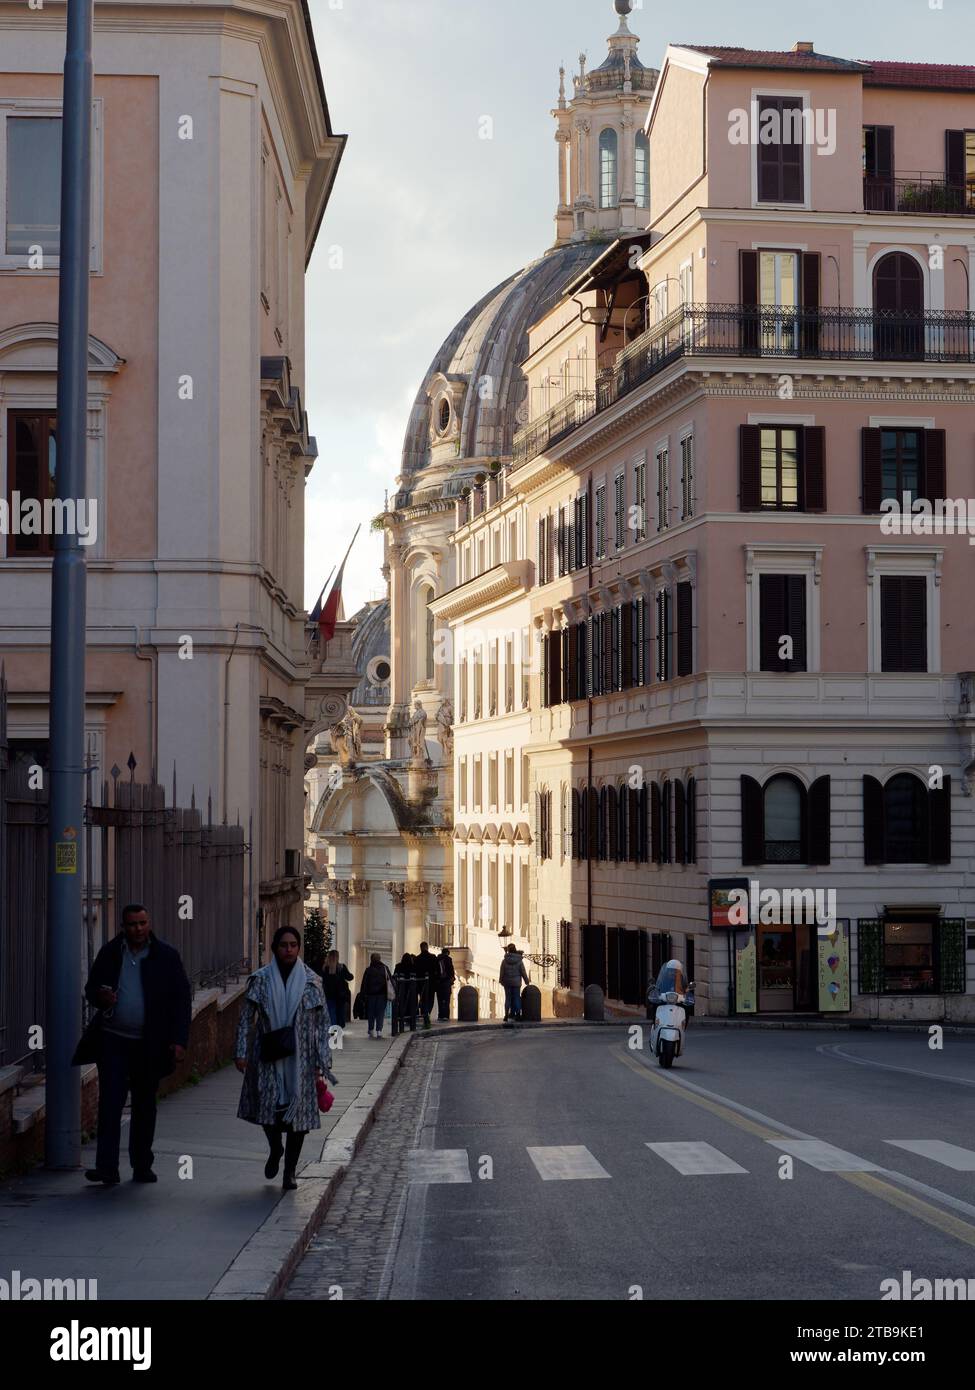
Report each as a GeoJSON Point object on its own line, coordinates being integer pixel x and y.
{"type": "Point", "coordinates": [466, 411]}
{"type": "Point", "coordinates": [371, 654]}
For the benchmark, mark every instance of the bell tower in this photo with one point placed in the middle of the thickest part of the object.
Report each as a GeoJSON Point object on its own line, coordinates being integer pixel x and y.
{"type": "Point", "coordinates": [604, 160]}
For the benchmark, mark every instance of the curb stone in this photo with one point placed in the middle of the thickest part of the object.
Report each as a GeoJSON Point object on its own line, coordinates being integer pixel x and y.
{"type": "Point", "coordinates": [265, 1263]}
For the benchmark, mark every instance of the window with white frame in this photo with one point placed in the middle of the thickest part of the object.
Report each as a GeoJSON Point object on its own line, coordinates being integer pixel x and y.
{"type": "Point", "coordinates": [601, 537]}
{"type": "Point", "coordinates": [686, 477]}
{"type": "Point", "coordinates": [30, 184]}
{"type": "Point", "coordinates": [619, 485]}
{"type": "Point", "coordinates": [904, 608]}
{"type": "Point", "coordinates": [663, 487]}
{"type": "Point", "coordinates": [640, 499]}
{"type": "Point", "coordinates": [791, 572]}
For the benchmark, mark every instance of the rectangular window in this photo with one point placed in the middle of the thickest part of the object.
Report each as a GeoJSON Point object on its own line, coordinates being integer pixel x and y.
{"type": "Point", "coordinates": [620, 510]}
{"type": "Point", "coordinates": [33, 185]}
{"type": "Point", "coordinates": [509, 674]}
{"type": "Point", "coordinates": [493, 782]}
{"type": "Point", "coordinates": [478, 685]}
{"type": "Point", "coordinates": [509, 781]}
{"type": "Point", "coordinates": [901, 466]}
{"type": "Point", "coordinates": [663, 603]}
{"type": "Point", "coordinates": [601, 539]}
{"type": "Point", "coordinates": [31, 467]}
{"type": "Point", "coordinates": [462, 784]}
{"type": "Point", "coordinates": [903, 622]}
{"type": "Point", "coordinates": [463, 689]}
{"type": "Point", "coordinates": [686, 477]}
{"type": "Point", "coordinates": [493, 679]}
{"type": "Point", "coordinates": [478, 784]}
{"type": "Point", "coordinates": [524, 779]}
{"type": "Point", "coordinates": [780, 150]}
{"type": "Point", "coordinates": [663, 489]}
{"type": "Point", "coordinates": [526, 667]}
{"type": "Point", "coordinates": [640, 500]}
{"type": "Point", "coordinates": [685, 628]}
{"type": "Point", "coordinates": [782, 619]}
{"type": "Point", "coordinates": [780, 469]}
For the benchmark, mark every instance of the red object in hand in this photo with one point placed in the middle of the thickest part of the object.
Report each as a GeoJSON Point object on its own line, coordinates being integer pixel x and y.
{"type": "Point", "coordinates": [325, 1098]}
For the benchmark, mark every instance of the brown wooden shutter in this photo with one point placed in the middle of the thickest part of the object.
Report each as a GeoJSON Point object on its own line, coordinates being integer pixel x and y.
{"type": "Point", "coordinates": [750, 467]}
{"type": "Point", "coordinates": [873, 821]}
{"type": "Point", "coordinates": [685, 628]}
{"type": "Point", "coordinates": [817, 821]}
{"type": "Point", "coordinates": [814, 468]}
{"type": "Point", "coordinates": [571, 673]}
{"type": "Point", "coordinates": [795, 612]}
{"type": "Point", "coordinates": [633, 825]}
{"type": "Point", "coordinates": [903, 622]}
{"type": "Point", "coordinates": [811, 277]}
{"type": "Point", "coordinates": [592, 797]}
{"type": "Point", "coordinates": [883, 148]}
{"type": "Point", "coordinates": [772, 619]}
{"type": "Point", "coordinates": [748, 281]}
{"type": "Point", "coordinates": [666, 806]}
{"type": "Point", "coordinates": [939, 820]}
{"type": "Point", "coordinates": [752, 822]}
{"type": "Point", "coordinates": [655, 822]}
{"type": "Point", "coordinates": [691, 842]}
{"type": "Point", "coordinates": [871, 470]}
{"type": "Point", "coordinates": [955, 157]}
{"type": "Point", "coordinates": [935, 484]}
{"type": "Point", "coordinates": [680, 824]}
{"type": "Point", "coordinates": [626, 646]}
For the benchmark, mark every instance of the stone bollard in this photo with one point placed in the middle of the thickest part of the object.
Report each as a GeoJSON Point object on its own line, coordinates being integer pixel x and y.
{"type": "Point", "coordinates": [467, 1004]}
{"type": "Point", "coordinates": [531, 1004]}
{"type": "Point", "coordinates": [593, 1004]}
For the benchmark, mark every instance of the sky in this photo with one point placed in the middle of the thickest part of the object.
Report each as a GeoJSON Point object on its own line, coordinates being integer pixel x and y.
{"type": "Point", "coordinates": [426, 215]}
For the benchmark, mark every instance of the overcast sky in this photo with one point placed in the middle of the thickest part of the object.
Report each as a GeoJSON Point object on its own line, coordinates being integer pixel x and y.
{"type": "Point", "coordinates": [428, 216]}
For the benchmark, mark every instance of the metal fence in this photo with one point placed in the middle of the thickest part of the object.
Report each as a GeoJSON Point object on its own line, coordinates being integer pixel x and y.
{"type": "Point", "coordinates": [187, 871]}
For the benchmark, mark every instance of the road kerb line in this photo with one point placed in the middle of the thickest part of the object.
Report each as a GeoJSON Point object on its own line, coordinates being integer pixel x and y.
{"type": "Point", "coordinates": [715, 1107]}
{"type": "Point", "coordinates": [924, 1211]}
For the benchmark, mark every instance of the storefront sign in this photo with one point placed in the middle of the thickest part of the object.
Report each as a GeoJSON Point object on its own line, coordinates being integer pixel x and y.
{"type": "Point", "coordinates": [833, 946]}
{"type": "Point", "coordinates": [723, 895]}
{"type": "Point", "coordinates": [746, 976]}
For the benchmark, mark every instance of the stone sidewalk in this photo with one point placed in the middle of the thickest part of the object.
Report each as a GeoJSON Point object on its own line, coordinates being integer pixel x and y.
{"type": "Point", "coordinates": [224, 1232]}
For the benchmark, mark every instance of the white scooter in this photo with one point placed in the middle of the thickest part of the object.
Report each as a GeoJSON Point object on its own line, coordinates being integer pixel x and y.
{"type": "Point", "coordinates": [672, 997]}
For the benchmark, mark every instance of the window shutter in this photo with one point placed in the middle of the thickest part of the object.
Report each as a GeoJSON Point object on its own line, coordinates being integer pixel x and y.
{"type": "Point", "coordinates": [870, 955]}
{"type": "Point", "coordinates": [616, 652]}
{"type": "Point", "coordinates": [574, 804]}
{"type": "Point", "coordinates": [680, 824]}
{"type": "Point", "coordinates": [541, 551]}
{"type": "Point", "coordinates": [871, 474]}
{"type": "Point", "coordinates": [939, 821]}
{"type": "Point", "coordinates": [873, 821]}
{"type": "Point", "coordinates": [883, 157]}
{"type": "Point", "coordinates": [748, 281]}
{"type": "Point", "coordinates": [935, 465]}
{"type": "Point", "coordinates": [951, 955]}
{"type": "Point", "coordinates": [752, 822]}
{"type": "Point", "coordinates": [572, 663]}
{"type": "Point", "coordinates": [796, 619]}
{"type": "Point", "coordinates": [814, 468]}
{"type": "Point", "coordinates": [626, 646]}
{"type": "Point", "coordinates": [546, 677]}
{"type": "Point", "coordinates": [772, 619]}
{"type": "Point", "coordinates": [817, 851]}
{"type": "Point", "coordinates": [691, 838]}
{"type": "Point", "coordinates": [903, 622]}
{"type": "Point", "coordinates": [685, 628]}
{"type": "Point", "coordinates": [643, 799]}
{"type": "Point", "coordinates": [593, 823]}
{"type": "Point", "coordinates": [666, 803]}
{"type": "Point", "coordinates": [633, 825]}
{"type": "Point", "coordinates": [955, 157]}
{"type": "Point", "coordinates": [655, 822]}
{"type": "Point", "coordinates": [606, 665]}
{"type": "Point", "coordinates": [750, 467]}
{"type": "Point", "coordinates": [811, 274]}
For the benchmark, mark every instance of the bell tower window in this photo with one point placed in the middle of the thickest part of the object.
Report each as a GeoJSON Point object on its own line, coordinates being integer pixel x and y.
{"type": "Point", "coordinates": [608, 169]}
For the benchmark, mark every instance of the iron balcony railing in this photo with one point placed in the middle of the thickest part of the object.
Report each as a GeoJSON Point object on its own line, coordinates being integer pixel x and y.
{"type": "Point", "coordinates": [921, 192]}
{"type": "Point", "coordinates": [732, 330]}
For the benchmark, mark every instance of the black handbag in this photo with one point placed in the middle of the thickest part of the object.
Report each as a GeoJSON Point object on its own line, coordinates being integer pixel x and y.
{"type": "Point", "coordinates": [89, 1049]}
{"type": "Point", "coordinates": [279, 1043]}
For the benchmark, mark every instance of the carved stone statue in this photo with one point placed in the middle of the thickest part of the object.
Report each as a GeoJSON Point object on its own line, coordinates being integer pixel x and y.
{"type": "Point", "coordinates": [353, 724]}
{"type": "Point", "coordinates": [339, 736]}
{"type": "Point", "coordinates": [417, 729]}
{"type": "Point", "coordinates": [346, 738]}
{"type": "Point", "coordinates": [445, 723]}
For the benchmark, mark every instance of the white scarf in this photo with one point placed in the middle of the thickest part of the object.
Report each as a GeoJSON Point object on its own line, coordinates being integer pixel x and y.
{"type": "Point", "coordinates": [284, 1001]}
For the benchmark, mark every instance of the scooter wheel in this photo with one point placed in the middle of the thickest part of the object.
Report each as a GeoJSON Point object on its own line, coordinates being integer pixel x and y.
{"type": "Point", "coordinates": [667, 1053]}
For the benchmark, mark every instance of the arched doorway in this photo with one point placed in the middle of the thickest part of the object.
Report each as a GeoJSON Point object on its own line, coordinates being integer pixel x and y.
{"type": "Point", "coordinates": [898, 302]}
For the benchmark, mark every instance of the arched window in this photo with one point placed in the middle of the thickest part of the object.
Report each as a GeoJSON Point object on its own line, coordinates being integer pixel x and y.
{"type": "Point", "coordinates": [906, 820]}
{"type": "Point", "coordinates": [898, 301]}
{"type": "Point", "coordinates": [642, 171]}
{"type": "Point", "coordinates": [783, 798]}
{"type": "Point", "coordinates": [608, 169]}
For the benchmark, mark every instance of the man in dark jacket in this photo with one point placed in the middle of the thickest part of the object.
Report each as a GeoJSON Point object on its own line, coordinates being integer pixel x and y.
{"type": "Point", "coordinates": [140, 988]}
{"type": "Point", "coordinates": [445, 985]}
{"type": "Point", "coordinates": [427, 968]}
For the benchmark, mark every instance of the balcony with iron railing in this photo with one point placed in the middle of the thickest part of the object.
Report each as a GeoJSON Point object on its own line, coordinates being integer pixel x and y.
{"type": "Point", "coordinates": [733, 330]}
{"type": "Point", "coordinates": [921, 192]}
{"type": "Point", "coordinates": [440, 932]}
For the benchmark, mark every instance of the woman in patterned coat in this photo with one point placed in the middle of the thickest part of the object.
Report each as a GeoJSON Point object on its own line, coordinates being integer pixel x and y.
{"type": "Point", "coordinates": [282, 1096]}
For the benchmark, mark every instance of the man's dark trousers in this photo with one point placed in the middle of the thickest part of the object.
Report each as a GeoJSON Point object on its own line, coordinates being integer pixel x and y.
{"type": "Point", "coordinates": [123, 1068]}
{"type": "Point", "coordinates": [444, 990]}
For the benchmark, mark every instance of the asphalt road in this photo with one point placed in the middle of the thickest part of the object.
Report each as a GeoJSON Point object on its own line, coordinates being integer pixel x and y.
{"type": "Point", "coordinates": [530, 1175]}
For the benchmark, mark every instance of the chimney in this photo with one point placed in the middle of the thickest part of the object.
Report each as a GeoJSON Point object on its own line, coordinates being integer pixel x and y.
{"type": "Point", "coordinates": [804, 48]}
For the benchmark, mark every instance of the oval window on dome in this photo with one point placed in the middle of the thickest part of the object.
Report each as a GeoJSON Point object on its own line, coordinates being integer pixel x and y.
{"type": "Point", "coordinates": [379, 671]}
{"type": "Point", "coordinates": [444, 415]}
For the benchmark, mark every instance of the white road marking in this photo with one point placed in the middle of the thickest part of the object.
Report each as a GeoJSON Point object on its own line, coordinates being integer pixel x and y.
{"type": "Point", "coordinates": [559, 1162]}
{"type": "Point", "coordinates": [950, 1155]}
{"type": "Point", "coordinates": [826, 1157]}
{"type": "Point", "coordinates": [696, 1159]}
{"type": "Point", "coordinates": [438, 1165]}
{"type": "Point", "coordinates": [835, 1050]}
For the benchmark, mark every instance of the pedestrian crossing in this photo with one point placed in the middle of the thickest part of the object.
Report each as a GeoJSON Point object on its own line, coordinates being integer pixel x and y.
{"type": "Point", "coordinates": [575, 1162]}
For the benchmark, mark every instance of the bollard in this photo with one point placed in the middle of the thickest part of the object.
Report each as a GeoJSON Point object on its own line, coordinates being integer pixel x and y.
{"type": "Point", "coordinates": [531, 1004]}
{"type": "Point", "coordinates": [467, 1004]}
{"type": "Point", "coordinates": [593, 1004]}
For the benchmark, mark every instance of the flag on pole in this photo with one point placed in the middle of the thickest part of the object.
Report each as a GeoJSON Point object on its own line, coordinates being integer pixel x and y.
{"type": "Point", "coordinates": [328, 616]}
{"type": "Point", "coordinates": [316, 612]}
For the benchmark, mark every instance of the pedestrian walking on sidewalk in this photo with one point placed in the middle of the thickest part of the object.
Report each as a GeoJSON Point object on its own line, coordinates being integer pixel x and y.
{"type": "Point", "coordinates": [445, 985]}
{"type": "Point", "coordinates": [374, 988]}
{"type": "Point", "coordinates": [139, 987]}
{"type": "Point", "coordinates": [336, 978]}
{"type": "Point", "coordinates": [513, 974]}
{"type": "Point", "coordinates": [427, 969]}
{"type": "Point", "coordinates": [282, 1049]}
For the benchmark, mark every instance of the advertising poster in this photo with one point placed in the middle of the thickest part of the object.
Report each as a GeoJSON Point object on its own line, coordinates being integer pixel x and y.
{"type": "Point", "coordinates": [746, 975]}
{"type": "Point", "coordinates": [834, 967]}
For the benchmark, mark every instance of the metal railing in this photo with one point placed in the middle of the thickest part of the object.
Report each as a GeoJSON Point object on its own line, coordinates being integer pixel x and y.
{"type": "Point", "coordinates": [441, 933]}
{"type": "Point", "coordinates": [734, 330]}
{"type": "Point", "coordinates": [924, 193]}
